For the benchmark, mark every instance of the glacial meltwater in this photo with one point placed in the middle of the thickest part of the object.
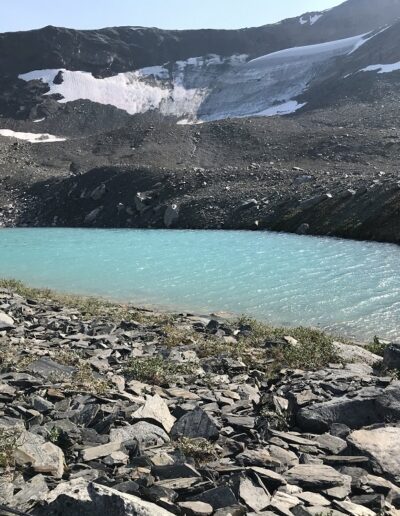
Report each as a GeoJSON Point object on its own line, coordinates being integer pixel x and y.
{"type": "Point", "coordinates": [346, 287]}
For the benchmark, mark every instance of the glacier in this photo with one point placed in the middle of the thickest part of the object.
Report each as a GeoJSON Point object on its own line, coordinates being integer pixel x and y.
{"type": "Point", "coordinates": [206, 88]}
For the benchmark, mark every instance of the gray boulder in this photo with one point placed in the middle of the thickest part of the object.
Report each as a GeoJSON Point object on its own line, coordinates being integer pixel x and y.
{"type": "Point", "coordinates": [371, 405]}
{"type": "Point", "coordinates": [391, 357]}
{"type": "Point", "coordinates": [146, 434]}
{"type": "Point", "coordinates": [196, 423]}
{"type": "Point", "coordinates": [379, 444]}
{"type": "Point", "coordinates": [6, 322]}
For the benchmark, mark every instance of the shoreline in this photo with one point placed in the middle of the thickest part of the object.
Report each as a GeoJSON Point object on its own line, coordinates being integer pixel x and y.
{"type": "Point", "coordinates": [105, 406]}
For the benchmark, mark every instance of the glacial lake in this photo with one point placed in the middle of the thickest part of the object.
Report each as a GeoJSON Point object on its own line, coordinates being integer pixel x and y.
{"type": "Point", "coordinates": [346, 287]}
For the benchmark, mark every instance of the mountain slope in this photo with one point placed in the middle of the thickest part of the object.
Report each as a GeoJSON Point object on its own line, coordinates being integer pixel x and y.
{"type": "Point", "coordinates": [132, 127]}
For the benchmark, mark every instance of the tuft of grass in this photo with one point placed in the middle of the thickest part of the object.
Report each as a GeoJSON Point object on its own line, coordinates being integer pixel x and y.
{"type": "Point", "coordinates": [174, 336]}
{"type": "Point", "coordinates": [12, 357]}
{"type": "Point", "coordinates": [8, 444]}
{"type": "Point", "coordinates": [314, 350]}
{"type": "Point", "coordinates": [156, 370]}
{"type": "Point", "coordinates": [199, 449]}
{"type": "Point", "coordinates": [84, 380]}
{"type": "Point", "coordinates": [376, 347]}
{"type": "Point", "coordinates": [54, 435]}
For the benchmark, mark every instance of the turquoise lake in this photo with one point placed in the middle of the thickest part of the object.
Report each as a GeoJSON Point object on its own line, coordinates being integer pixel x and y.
{"type": "Point", "coordinates": [346, 287]}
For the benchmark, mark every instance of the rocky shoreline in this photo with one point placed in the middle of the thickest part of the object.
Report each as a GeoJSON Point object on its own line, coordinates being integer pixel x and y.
{"type": "Point", "coordinates": [112, 409]}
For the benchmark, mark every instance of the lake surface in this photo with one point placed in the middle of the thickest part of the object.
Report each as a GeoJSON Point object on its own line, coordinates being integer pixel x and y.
{"type": "Point", "coordinates": [347, 287]}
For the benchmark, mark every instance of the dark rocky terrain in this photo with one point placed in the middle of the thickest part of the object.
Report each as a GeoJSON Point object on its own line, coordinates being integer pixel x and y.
{"type": "Point", "coordinates": [112, 409]}
{"type": "Point", "coordinates": [330, 171]}
{"type": "Point", "coordinates": [331, 168]}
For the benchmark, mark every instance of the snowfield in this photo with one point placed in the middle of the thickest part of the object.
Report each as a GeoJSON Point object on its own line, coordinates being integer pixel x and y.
{"type": "Point", "coordinates": [207, 88]}
{"type": "Point", "coordinates": [31, 137]}
{"type": "Point", "coordinates": [382, 68]}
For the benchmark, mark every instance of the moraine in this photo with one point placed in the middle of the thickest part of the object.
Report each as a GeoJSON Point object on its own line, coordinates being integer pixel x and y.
{"type": "Point", "coordinates": [345, 287]}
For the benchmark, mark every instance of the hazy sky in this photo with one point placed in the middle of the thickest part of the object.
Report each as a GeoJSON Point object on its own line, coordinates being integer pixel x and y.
{"type": "Point", "coordinates": [168, 14]}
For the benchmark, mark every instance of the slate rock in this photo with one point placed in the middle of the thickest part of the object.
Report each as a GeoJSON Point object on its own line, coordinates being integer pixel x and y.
{"type": "Point", "coordinates": [47, 368]}
{"type": "Point", "coordinates": [34, 490]}
{"type": "Point", "coordinates": [354, 412]}
{"type": "Point", "coordinates": [315, 477]}
{"type": "Point", "coordinates": [196, 423]}
{"type": "Point", "coordinates": [6, 322]}
{"type": "Point", "coordinates": [253, 495]}
{"type": "Point", "coordinates": [157, 410]}
{"type": "Point", "coordinates": [330, 444]}
{"type": "Point", "coordinates": [391, 356]}
{"type": "Point", "coordinates": [218, 498]}
{"type": "Point", "coordinates": [45, 457]}
{"type": "Point", "coordinates": [353, 508]}
{"type": "Point", "coordinates": [97, 452]}
{"type": "Point", "coordinates": [196, 508]}
{"type": "Point", "coordinates": [258, 457]}
{"type": "Point", "coordinates": [379, 444]}
{"type": "Point", "coordinates": [174, 471]}
{"type": "Point", "coordinates": [82, 498]}
{"type": "Point", "coordinates": [146, 434]}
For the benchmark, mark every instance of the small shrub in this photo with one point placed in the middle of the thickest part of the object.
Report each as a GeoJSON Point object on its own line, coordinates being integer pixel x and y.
{"type": "Point", "coordinates": [156, 370]}
{"type": "Point", "coordinates": [84, 380]}
{"type": "Point", "coordinates": [314, 350]}
{"type": "Point", "coordinates": [175, 336]}
{"type": "Point", "coordinates": [8, 444]}
{"type": "Point", "coordinates": [376, 347]}
{"type": "Point", "coordinates": [199, 449]}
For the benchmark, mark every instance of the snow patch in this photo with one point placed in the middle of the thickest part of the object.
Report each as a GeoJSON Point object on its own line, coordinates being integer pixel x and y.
{"type": "Point", "coordinates": [39, 120]}
{"type": "Point", "coordinates": [31, 137]}
{"type": "Point", "coordinates": [382, 68]}
{"type": "Point", "coordinates": [310, 19]}
{"type": "Point", "coordinates": [287, 108]}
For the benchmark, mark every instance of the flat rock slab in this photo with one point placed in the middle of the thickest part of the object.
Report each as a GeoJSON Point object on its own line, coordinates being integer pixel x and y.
{"type": "Point", "coordinates": [371, 405]}
{"type": "Point", "coordinates": [315, 477]}
{"type": "Point", "coordinates": [97, 452]}
{"type": "Point", "coordinates": [382, 445]}
{"type": "Point", "coordinates": [47, 368]}
{"type": "Point", "coordinates": [146, 434]}
{"type": "Point", "coordinates": [82, 498]}
{"type": "Point", "coordinates": [253, 495]}
{"type": "Point", "coordinates": [356, 354]}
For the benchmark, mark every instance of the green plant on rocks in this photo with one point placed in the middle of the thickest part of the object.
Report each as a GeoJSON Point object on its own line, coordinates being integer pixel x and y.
{"type": "Point", "coordinates": [199, 449]}
{"type": "Point", "coordinates": [376, 346]}
{"type": "Point", "coordinates": [84, 380]}
{"type": "Point", "coordinates": [156, 370]}
{"type": "Point", "coordinates": [8, 444]}
{"type": "Point", "coordinates": [314, 348]}
{"type": "Point", "coordinates": [87, 306]}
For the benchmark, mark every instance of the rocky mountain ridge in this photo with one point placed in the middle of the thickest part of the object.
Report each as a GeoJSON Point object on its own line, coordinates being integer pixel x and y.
{"type": "Point", "coordinates": [329, 166]}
